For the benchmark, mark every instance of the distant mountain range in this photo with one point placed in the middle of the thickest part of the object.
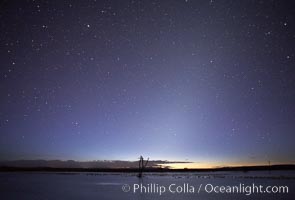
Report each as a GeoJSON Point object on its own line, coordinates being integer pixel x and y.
{"type": "Point", "coordinates": [79, 164]}
{"type": "Point", "coordinates": [118, 166]}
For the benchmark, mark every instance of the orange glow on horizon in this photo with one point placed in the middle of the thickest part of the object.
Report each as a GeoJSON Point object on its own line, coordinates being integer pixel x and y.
{"type": "Point", "coordinates": [212, 165]}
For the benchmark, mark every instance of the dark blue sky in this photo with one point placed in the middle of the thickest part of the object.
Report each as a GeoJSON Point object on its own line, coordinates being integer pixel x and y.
{"type": "Point", "coordinates": [204, 81]}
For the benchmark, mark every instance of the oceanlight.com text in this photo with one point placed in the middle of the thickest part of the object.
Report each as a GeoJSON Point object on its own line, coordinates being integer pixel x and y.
{"type": "Point", "coordinates": [186, 188]}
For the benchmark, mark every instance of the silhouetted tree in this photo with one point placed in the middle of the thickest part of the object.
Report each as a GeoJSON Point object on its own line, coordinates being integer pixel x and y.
{"type": "Point", "coordinates": [141, 166]}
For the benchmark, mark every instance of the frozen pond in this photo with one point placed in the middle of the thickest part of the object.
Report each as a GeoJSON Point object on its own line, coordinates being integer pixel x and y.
{"type": "Point", "coordinates": [90, 186]}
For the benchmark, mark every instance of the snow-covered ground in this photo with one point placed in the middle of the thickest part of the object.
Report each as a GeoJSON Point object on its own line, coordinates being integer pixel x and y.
{"type": "Point", "coordinates": [99, 186]}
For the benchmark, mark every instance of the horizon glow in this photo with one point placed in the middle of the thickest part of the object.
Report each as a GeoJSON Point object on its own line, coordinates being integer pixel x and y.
{"type": "Point", "coordinates": [177, 80]}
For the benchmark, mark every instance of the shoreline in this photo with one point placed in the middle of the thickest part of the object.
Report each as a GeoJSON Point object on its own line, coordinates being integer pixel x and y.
{"type": "Point", "coordinates": [135, 170]}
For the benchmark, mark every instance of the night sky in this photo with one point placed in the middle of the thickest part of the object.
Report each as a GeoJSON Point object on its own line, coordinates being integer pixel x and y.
{"type": "Point", "coordinates": [212, 82]}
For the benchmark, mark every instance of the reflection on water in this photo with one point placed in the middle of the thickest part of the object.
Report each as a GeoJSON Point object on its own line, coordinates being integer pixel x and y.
{"type": "Point", "coordinates": [94, 186]}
